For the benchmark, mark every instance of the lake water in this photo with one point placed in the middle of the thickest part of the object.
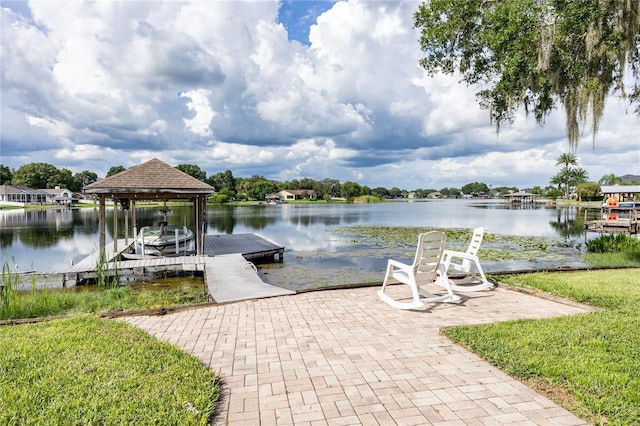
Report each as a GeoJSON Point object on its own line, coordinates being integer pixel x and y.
{"type": "Point", "coordinates": [50, 239]}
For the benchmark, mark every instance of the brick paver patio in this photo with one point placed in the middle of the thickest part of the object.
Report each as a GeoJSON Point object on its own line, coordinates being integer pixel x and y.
{"type": "Point", "coordinates": [343, 357]}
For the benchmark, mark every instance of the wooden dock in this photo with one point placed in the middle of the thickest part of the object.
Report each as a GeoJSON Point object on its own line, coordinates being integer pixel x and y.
{"type": "Point", "coordinates": [226, 266]}
{"type": "Point", "coordinates": [251, 246]}
{"type": "Point", "coordinates": [613, 226]}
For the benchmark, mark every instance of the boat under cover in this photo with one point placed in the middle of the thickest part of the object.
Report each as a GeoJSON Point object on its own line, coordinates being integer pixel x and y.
{"type": "Point", "coordinates": [164, 239]}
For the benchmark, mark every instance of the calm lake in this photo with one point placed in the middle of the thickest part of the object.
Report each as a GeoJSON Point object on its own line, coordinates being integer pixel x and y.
{"type": "Point", "coordinates": [318, 249]}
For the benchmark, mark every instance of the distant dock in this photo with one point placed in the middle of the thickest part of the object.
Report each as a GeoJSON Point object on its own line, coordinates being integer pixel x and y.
{"type": "Point", "coordinates": [618, 220]}
{"type": "Point", "coordinates": [225, 265]}
{"type": "Point", "coordinates": [613, 226]}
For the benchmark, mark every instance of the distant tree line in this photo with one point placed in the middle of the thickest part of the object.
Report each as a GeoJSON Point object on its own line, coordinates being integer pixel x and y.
{"type": "Point", "coordinates": [256, 187]}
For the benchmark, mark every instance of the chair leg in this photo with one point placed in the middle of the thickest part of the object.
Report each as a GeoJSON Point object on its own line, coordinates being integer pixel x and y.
{"type": "Point", "coordinates": [484, 284]}
{"type": "Point", "coordinates": [415, 296]}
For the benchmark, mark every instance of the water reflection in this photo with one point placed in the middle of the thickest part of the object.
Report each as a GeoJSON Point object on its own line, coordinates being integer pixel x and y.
{"type": "Point", "coordinates": [570, 221]}
{"type": "Point", "coordinates": [49, 240]}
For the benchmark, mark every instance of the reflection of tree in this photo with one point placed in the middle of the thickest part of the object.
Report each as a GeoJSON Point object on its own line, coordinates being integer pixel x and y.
{"type": "Point", "coordinates": [6, 238]}
{"type": "Point", "coordinates": [43, 237]}
{"type": "Point", "coordinates": [221, 223]}
{"type": "Point", "coordinates": [568, 223]}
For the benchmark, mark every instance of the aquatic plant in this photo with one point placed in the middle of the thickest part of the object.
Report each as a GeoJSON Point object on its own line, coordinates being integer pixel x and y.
{"type": "Point", "coordinates": [103, 277]}
{"type": "Point", "coordinates": [8, 286]}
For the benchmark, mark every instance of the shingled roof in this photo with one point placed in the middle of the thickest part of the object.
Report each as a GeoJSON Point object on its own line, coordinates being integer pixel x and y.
{"type": "Point", "coordinates": [153, 179]}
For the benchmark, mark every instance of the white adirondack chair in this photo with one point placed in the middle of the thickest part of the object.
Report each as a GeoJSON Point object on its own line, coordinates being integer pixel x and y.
{"type": "Point", "coordinates": [468, 265]}
{"type": "Point", "coordinates": [426, 269]}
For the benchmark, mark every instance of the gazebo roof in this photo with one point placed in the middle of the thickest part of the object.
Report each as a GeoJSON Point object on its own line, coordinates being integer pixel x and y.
{"type": "Point", "coordinates": [620, 189]}
{"type": "Point", "coordinates": [520, 194]}
{"type": "Point", "coordinates": [153, 179]}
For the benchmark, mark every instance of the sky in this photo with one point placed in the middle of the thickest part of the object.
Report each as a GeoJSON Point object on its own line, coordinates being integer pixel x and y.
{"type": "Point", "coordinates": [282, 89]}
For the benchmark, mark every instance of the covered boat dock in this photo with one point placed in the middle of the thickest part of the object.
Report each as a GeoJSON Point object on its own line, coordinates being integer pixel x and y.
{"type": "Point", "coordinates": [153, 180]}
{"type": "Point", "coordinates": [520, 197]}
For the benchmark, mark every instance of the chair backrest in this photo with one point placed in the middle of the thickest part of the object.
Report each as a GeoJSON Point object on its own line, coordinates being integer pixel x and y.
{"type": "Point", "coordinates": [428, 255]}
{"type": "Point", "coordinates": [476, 240]}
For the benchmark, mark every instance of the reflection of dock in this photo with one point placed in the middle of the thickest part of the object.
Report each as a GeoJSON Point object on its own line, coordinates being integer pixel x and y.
{"type": "Point", "coordinates": [228, 274]}
{"type": "Point", "coordinates": [613, 225]}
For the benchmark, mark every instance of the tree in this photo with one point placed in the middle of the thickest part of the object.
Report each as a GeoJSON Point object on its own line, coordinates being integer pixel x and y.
{"type": "Point", "coordinates": [381, 192]}
{"type": "Point", "coordinates": [395, 192]}
{"type": "Point", "coordinates": [578, 176]}
{"type": "Point", "coordinates": [610, 179]}
{"type": "Point", "coordinates": [475, 188]}
{"type": "Point", "coordinates": [535, 53]}
{"type": "Point", "coordinates": [568, 159]}
{"type": "Point", "coordinates": [114, 170]}
{"type": "Point", "coordinates": [83, 179]}
{"type": "Point", "coordinates": [350, 190]}
{"type": "Point", "coordinates": [588, 191]}
{"type": "Point", "coordinates": [193, 171]}
{"type": "Point", "coordinates": [5, 175]}
{"type": "Point", "coordinates": [450, 192]}
{"type": "Point", "coordinates": [223, 180]}
{"type": "Point", "coordinates": [64, 179]}
{"type": "Point", "coordinates": [327, 188]}
{"type": "Point", "coordinates": [259, 190]}
{"type": "Point", "coordinates": [35, 175]}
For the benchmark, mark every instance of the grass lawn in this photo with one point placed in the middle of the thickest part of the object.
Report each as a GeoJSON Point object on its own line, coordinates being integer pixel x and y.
{"type": "Point", "coordinates": [91, 371]}
{"type": "Point", "coordinates": [588, 363]}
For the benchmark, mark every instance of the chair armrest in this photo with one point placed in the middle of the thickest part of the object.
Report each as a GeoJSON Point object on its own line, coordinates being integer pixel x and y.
{"type": "Point", "coordinates": [398, 265]}
{"type": "Point", "coordinates": [449, 254]}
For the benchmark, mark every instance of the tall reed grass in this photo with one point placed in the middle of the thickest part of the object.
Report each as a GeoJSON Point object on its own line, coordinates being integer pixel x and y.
{"type": "Point", "coordinates": [111, 295]}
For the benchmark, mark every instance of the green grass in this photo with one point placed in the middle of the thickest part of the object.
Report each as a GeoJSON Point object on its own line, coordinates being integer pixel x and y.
{"type": "Point", "coordinates": [590, 363]}
{"type": "Point", "coordinates": [74, 301]}
{"type": "Point", "coordinates": [90, 371]}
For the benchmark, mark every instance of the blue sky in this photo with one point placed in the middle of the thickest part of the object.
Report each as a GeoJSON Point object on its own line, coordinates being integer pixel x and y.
{"type": "Point", "coordinates": [285, 90]}
{"type": "Point", "coordinates": [298, 16]}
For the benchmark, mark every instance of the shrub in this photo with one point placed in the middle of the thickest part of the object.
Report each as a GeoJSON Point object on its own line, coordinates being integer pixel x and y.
{"type": "Point", "coordinates": [219, 199]}
{"type": "Point", "coordinates": [614, 244]}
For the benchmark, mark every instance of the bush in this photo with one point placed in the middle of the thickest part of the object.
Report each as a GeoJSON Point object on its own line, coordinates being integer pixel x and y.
{"type": "Point", "coordinates": [219, 199]}
{"type": "Point", "coordinates": [614, 244]}
{"type": "Point", "coordinates": [588, 191]}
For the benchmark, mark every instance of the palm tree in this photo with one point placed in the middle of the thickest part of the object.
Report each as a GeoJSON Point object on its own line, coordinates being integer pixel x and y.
{"type": "Point", "coordinates": [566, 174]}
{"type": "Point", "coordinates": [557, 180]}
{"type": "Point", "coordinates": [568, 159]}
{"type": "Point", "coordinates": [578, 176]}
{"type": "Point", "coordinates": [610, 179]}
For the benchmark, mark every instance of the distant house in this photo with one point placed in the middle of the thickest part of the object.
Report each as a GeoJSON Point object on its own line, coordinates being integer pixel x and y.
{"type": "Point", "coordinates": [20, 195]}
{"type": "Point", "coordinates": [297, 194]}
{"type": "Point", "coordinates": [433, 195]}
{"type": "Point", "coordinates": [59, 195]}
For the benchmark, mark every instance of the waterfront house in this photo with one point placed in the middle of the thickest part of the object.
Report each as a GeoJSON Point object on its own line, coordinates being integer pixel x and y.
{"type": "Point", "coordinates": [59, 195]}
{"type": "Point", "coordinates": [19, 195]}
{"type": "Point", "coordinates": [297, 194]}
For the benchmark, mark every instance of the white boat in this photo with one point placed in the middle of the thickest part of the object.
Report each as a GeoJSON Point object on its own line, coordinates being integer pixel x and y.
{"type": "Point", "coordinates": [164, 240]}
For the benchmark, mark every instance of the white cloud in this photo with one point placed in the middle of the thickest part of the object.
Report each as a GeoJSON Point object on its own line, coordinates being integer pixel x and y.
{"type": "Point", "coordinates": [219, 84]}
{"type": "Point", "coordinates": [199, 124]}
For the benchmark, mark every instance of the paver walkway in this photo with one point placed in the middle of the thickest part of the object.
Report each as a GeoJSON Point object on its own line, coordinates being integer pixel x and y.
{"type": "Point", "coordinates": [343, 357]}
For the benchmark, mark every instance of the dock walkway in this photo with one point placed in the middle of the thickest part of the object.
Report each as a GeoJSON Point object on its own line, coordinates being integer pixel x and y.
{"type": "Point", "coordinates": [223, 275]}
{"type": "Point", "coordinates": [228, 273]}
